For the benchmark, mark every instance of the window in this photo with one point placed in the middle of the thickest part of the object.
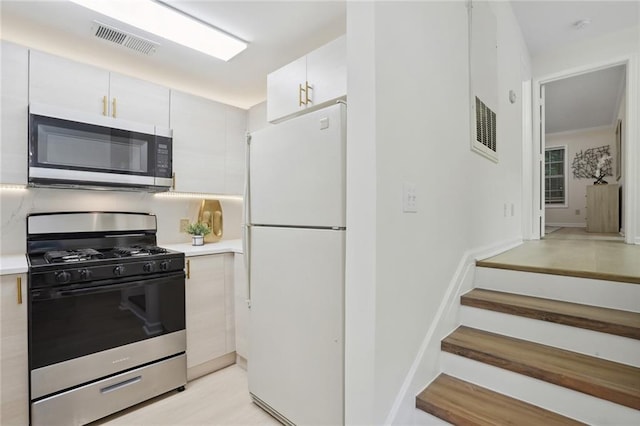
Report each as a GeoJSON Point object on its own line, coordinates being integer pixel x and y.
{"type": "Point", "coordinates": [555, 176]}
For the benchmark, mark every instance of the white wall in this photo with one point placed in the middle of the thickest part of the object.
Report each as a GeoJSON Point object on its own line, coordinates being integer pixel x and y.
{"type": "Point", "coordinates": [15, 205]}
{"type": "Point", "coordinates": [576, 191]}
{"type": "Point", "coordinates": [409, 122]}
{"type": "Point", "coordinates": [619, 47]}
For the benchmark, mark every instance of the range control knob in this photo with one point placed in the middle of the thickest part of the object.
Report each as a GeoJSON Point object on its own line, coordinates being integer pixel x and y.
{"type": "Point", "coordinates": [118, 270]}
{"type": "Point", "coordinates": [147, 267]}
{"type": "Point", "coordinates": [63, 277]}
{"type": "Point", "coordinates": [164, 265]}
{"type": "Point", "coordinates": [85, 274]}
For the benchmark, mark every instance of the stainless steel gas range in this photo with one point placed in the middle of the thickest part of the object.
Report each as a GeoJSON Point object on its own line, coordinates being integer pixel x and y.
{"type": "Point", "coordinates": [106, 315]}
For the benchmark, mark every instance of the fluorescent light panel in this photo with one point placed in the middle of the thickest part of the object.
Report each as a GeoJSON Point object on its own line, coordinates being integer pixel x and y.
{"type": "Point", "coordinates": [167, 23]}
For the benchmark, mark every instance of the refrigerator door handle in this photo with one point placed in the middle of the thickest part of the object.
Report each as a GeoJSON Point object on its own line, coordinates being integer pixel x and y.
{"type": "Point", "coordinates": [246, 242]}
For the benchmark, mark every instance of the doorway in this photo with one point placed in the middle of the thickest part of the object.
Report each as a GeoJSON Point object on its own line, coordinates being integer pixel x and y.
{"type": "Point", "coordinates": [581, 146]}
{"type": "Point", "coordinates": [582, 120]}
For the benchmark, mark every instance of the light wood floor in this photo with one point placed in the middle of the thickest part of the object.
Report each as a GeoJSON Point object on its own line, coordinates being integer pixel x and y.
{"type": "Point", "coordinates": [569, 233]}
{"type": "Point", "coordinates": [220, 398]}
{"type": "Point", "coordinates": [609, 260]}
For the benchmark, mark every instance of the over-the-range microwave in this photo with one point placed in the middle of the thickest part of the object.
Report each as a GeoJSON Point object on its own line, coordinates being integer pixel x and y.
{"type": "Point", "coordinates": [73, 149]}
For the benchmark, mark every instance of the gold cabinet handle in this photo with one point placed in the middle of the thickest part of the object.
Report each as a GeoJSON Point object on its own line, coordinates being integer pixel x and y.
{"type": "Point", "coordinates": [300, 90]}
{"type": "Point", "coordinates": [306, 91]}
{"type": "Point", "coordinates": [104, 105]}
{"type": "Point", "coordinates": [173, 181]}
{"type": "Point", "coordinates": [19, 287]}
{"type": "Point", "coordinates": [188, 269]}
{"type": "Point", "coordinates": [113, 111]}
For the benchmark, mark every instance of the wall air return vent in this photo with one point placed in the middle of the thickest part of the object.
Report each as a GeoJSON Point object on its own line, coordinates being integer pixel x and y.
{"type": "Point", "coordinates": [123, 38]}
{"type": "Point", "coordinates": [485, 125]}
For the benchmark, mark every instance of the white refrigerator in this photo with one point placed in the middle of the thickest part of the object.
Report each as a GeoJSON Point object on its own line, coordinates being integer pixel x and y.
{"type": "Point", "coordinates": [295, 206]}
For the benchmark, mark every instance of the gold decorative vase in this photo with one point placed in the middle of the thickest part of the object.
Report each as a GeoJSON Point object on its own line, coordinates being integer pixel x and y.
{"type": "Point", "coordinates": [211, 214]}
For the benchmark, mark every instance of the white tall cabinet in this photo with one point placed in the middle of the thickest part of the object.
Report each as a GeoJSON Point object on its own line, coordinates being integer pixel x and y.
{"type": "Point", "coordinates": [309, 82]}
{"type": "Point", "coordinates": [65, 83]}
{"type": "Point", "coordinates": [14, 84]}
{"type": "Point", "coordinates": [14, 390]}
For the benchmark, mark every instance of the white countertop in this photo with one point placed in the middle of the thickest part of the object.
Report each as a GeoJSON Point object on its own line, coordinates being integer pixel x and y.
{"type": "Point", "coordinates": [224, 246]}
{"type": "Point", "coordinates": [13, 264]}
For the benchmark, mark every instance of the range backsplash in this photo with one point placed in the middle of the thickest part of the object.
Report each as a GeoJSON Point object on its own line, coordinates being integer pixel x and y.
{"type": "Point", "coordinates": [15, 205]}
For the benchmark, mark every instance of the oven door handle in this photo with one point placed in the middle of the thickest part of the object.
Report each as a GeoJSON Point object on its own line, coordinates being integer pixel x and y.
{"type": "Point", "coordinates": [99, 289]}
{"type": "Point", "coordinates": [69, 291]}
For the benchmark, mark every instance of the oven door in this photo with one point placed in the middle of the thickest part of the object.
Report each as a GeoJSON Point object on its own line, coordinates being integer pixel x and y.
{"type": "Point", "coordinates": [70, 148]}
{"type": "Point", "coordinates": [79, 334]}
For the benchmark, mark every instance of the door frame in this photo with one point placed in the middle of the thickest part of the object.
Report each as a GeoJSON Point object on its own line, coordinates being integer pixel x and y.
{"type": "Point", "coordinates": [630, 150]}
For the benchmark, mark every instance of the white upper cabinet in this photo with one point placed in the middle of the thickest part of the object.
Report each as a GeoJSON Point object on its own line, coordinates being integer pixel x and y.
{"type": "Point", "coordinates": [285, 86]}
{"type": "Point", "coordinates": [61, 82]}
{"type": "Point", "coordinates": [14, 98]}
{"type": "Point", "coordinates": [199, 145]}
{"type": "Point", "coordinates": [235, 160]}
{"type": "Point", "coordinates": [208, 145]}
{"type": "Point", "coordinates": [309, 82]}
{"type": "Point", "coordinates": [138, 100]}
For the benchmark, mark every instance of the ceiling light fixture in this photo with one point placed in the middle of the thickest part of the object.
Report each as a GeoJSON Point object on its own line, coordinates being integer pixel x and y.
{"type": "Point", "coordinates": [578, 25]}
{"type": "Point", "coordinates": [165, 22]}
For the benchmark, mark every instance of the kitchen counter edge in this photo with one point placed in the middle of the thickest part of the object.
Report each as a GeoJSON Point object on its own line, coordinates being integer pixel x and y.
{"type": "Point", "coordinates": [224, 246]}
{"type": "Point", "coordinates": [13, 264]}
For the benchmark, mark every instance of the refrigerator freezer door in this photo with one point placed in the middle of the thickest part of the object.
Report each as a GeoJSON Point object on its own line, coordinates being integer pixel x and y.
{"type": "Point", "coordinates": [297, 171]}
{"type": "Point", "coordinates": [296, 332]}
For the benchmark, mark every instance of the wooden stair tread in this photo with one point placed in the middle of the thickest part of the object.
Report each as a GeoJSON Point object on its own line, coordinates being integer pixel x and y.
{"type": "Point", "coordinates": [601, 378]}
{"type": "Point", "coordinates": [553, 270]}
{"type": "Point", "coordinates": [460, 402]}
{"type": "Point", "coordinates": [606, 320]}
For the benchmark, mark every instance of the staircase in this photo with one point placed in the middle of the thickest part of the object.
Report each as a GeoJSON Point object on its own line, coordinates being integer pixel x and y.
{"type": "Point", "coordinates": [539, 349]}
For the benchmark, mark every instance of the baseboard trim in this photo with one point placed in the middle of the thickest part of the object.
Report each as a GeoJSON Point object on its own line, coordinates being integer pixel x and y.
{"type": "Point", "coordinates": [461, 276]}
{"type": "Point", "coordinates": [567, 225]}
{"type": "Point", "coordinates": [211, 366]}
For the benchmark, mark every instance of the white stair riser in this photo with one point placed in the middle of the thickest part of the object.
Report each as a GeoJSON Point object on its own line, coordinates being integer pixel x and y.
{"type": "Point", "coordinates": [422, 418]}
{"type": "Point", "coordinates": [593, 343]}
{"type": "Point", "coordinates": [566, 402]}
{"type": "Point", "coordinates": [607, 294]}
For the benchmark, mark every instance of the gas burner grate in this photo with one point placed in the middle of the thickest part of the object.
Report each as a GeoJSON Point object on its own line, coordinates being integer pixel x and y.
{"type": "Point", "coordinates": [66, 256]}
{"type": "Point", "coordinates": [138, 250]}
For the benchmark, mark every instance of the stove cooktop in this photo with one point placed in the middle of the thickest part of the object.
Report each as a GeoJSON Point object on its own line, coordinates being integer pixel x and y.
{"type": "Point", "coordinates": [71, 266]}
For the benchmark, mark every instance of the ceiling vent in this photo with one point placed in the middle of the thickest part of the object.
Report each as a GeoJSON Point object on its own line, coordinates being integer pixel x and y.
{"type": "Point", "coordinates": [123, 38]}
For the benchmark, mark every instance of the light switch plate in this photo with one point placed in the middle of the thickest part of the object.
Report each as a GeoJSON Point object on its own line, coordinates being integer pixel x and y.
{"type": "Point", "coordinates": [409, 198]}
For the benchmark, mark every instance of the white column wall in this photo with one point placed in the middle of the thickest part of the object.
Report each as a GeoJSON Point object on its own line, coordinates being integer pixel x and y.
{"type": "Point", "coordinates": [409, 122]}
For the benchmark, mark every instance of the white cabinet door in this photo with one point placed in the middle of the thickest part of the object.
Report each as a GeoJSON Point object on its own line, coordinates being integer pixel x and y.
{"type": "Point", "coordinates": [327, 72]}
{"type": "Point", "coordinates": [61, 82]}
{"type": "Point", "coordinates": [283, 94]}
{"type": "Point", "coordinates": [324, 71]}
{"type": "Point", "coordinates": [235, 150]}
{"type": "Point", "coordinates": [198, 143]}
{"type": "Point", "coordinates": [241, 306]}
{"type": "Point", "coordinates": [13, 355]}
{"type": "Point", "coordinates": [205, 309]}
{"type": "Point", "coordinates": [138, 100]}
{"type": "Point", "coordinates": [14, 116]}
